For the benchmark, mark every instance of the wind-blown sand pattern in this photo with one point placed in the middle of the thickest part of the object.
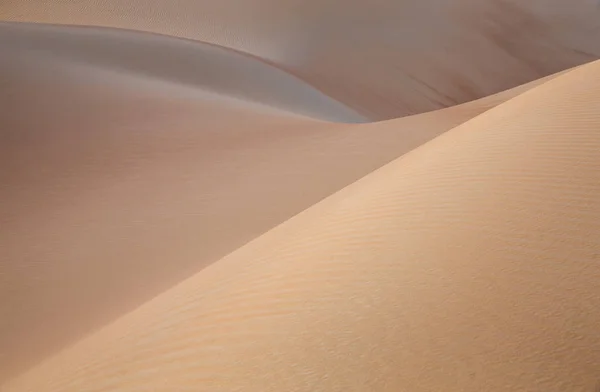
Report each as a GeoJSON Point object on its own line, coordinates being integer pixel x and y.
{"type": "Point", "coordinates": [195, 196]}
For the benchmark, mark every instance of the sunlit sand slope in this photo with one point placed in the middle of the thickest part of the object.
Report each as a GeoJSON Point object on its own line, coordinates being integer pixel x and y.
{"type": "Point", "coordinates": [119, 180]}
{"type": "Point", "coordinates": [469, 264]}
{"type": "Point", "coordinates": [384, 58]}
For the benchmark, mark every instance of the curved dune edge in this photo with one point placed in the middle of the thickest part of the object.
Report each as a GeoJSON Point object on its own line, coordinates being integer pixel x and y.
{"type": "Point", "coordinates": [384, 59]}
{"type": "Point", "coordinates": [468, 264]}
{"type": "Point", "coordinates": [201, 68]}
{"type": "Point", "coordinates": [133, 170]}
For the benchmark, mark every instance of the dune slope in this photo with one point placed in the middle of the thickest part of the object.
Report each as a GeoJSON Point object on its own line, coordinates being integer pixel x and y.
{"type": "Point", "coordinates": [214, 71]}
{"type": "Point", "coordinates": [111, 166]}
{"type": "Point", "coordinates": [382, 58]}
{"type": "Point", "coordinates": [469, 264]}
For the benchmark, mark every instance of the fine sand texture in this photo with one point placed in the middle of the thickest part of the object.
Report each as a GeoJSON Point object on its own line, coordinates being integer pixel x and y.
{"type": "Point", "coordinates": [194, 196]}
{"type": "Point", "coordinates": [468, 264]}
{"type": "Point", "coordinates": [127, 170]}
{"type": "Point", "coordinates": [383, 58]}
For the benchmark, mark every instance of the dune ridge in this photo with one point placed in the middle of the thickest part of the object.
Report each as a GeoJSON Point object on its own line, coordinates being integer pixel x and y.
{"type": "Point", "coordinates": [371, 275]}
{"type": "Point", "coordinates": [190, 64]}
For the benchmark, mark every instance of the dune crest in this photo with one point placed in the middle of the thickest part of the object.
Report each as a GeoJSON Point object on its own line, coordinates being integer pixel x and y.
{"type": "Point", "coordinates": [187, 65]}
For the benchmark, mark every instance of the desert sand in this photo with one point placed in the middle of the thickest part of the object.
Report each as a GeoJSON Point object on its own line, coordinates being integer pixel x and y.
{"type": "Point", "coordinates": [197, 196]}
{"type": "Point", "coordinates": [383, 58]}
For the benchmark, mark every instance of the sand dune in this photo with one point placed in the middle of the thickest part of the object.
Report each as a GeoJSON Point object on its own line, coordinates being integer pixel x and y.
{"type": "Point", "coordinates": [194, 66]}
{"type": "Point", "coordinates": [383, 58]}
{"type": "Point", "coordinates": [100, 175]}
{"type": "Point", "coordinates": [469, 264]}
{"type": "Point", "coordinates": [217, 214]}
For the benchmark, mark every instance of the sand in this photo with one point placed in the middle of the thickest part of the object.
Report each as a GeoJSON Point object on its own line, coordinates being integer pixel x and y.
{"type": "Point", "coordinates": [182, 215]}
{"type": "Point", "coordinates": [383, 58]}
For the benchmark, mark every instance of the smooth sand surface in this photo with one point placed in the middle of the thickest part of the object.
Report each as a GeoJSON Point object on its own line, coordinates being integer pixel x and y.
{"type": "Point", "coordinates": [198, 67]}
{"type": "Point", "coordinates": [383, 58]}
{"type": "Point", "coordinates": [178, 215]}
{"type": "Point", "coordinates": [468, 264]}
{"type": "Point", "coordinates": [124, 169]}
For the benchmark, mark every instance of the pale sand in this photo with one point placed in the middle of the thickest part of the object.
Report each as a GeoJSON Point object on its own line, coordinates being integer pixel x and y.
{"type": "Point", "coordinates": [111, 178]}
{"type": "Point", "coordinates": [128, 173]}
{"type": "Point", "coordinates": [469, 264]}
{"type": "Point", "coordinates": [384, 58]}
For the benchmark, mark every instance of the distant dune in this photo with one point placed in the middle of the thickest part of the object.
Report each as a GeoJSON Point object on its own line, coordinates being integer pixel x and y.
{"type": "Point", "coordinates": [383, 58]}
{"type": "Point", "coordinates": [215, 209]}
{"type": "Point", "coordinates": [196, 67]}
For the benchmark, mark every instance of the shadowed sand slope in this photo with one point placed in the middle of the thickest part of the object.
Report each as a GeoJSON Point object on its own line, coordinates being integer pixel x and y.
{"type": "Point", "coordinates": [119, 180]}
{"type": "Point", "coordinates": [208, 69]}
{"type": "Point", "coordinates": [469, 264]}
{"type": "Point", "coordinates": [383, 58]}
